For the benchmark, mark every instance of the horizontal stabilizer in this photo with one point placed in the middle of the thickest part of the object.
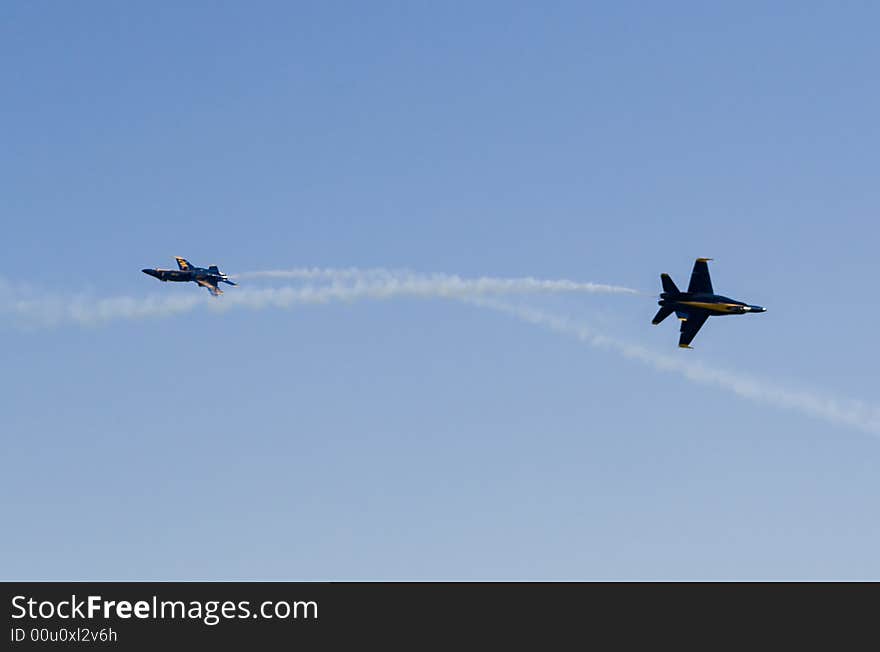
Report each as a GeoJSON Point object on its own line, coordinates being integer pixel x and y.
{"type": "Point", "coordinates": [662, 314]}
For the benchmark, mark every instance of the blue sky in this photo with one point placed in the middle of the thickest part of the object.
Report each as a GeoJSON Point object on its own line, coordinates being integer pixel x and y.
{"type": "Point", "coordinates": [420, 439]}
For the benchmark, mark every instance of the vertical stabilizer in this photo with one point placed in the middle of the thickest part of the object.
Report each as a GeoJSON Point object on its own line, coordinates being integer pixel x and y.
{"type": "Point", "coordinates": [668, 284]}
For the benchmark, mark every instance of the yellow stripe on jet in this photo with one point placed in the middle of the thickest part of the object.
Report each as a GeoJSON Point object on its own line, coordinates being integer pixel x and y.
{"type": "Point", "coordinates": [713, 307]}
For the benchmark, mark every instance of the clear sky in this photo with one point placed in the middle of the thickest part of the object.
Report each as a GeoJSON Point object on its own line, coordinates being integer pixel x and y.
{"type": "Point", "coordinates": [430, 439]}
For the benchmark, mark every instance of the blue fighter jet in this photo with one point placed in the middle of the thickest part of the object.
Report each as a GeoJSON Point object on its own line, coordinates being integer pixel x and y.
{"type": "Point", "coordinates": [207, 277]}
{"type": "Point", "coordinates": [696, 305]}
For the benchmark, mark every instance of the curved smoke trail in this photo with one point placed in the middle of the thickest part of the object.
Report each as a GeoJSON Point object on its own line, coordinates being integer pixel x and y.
{"type": "Point", "coordinates": [450, 283]}
{"type": "Point", "coordinates": [345, 285]}
{"type": "Point", "coordinates": [381, 284]}
{"type": "Point", "coordinates": [848, 412]}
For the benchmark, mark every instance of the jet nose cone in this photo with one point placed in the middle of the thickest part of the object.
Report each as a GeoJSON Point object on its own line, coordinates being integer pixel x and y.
{"type": "Point", "coordinates": [151, 272]}
{"type": "Point", "coordinates": [758, 309]}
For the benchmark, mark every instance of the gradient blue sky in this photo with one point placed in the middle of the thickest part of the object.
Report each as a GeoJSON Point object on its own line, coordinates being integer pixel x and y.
{"type": "Point", "coordinates": [427, 439]}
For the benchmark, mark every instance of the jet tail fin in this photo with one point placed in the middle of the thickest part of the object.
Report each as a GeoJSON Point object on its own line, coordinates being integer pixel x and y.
{"type": "Point", "coordinates": [668, 284]}
{"type": "Point", "coordinates": [662, 314]}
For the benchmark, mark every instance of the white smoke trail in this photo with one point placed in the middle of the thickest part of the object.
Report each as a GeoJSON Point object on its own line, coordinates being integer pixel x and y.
{"type": "Point", "coordinates": [853, 413]}
{"type": "Point", "coordinates": [327, 273]}
{"type": "Point", "coordinates": [451, 283]}
{"type": "Point", "coordinates": [21, 303]}
{"type": "Point", "coordinates": [50, 310]}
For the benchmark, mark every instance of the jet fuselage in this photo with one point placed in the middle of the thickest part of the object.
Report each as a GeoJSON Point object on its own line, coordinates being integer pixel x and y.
{"type": "Point", "coordinates": [713, 303]}
{"type": "Point", "coordinates": [207, 277]}
{"type": "Point", "coordinates": [180, 275]}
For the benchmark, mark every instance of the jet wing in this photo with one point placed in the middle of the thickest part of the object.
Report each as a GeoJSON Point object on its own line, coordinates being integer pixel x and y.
{"type": "Point", "coordinates": [701, 283]}
{"type": "Point", "coordinates": [211, 287]}
{"type": "Point", "coordinates": [690, 326]}
{"type": "Point", "coordinates": [183, 263]}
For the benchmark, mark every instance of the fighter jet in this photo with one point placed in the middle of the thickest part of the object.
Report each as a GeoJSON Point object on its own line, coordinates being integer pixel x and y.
{"type": "Point", "coordinates": [696, 305]}
{"type": "Point", "coordinates": [208, 278]}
